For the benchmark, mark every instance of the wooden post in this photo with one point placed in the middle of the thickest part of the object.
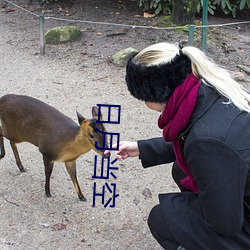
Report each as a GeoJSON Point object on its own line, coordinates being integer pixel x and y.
{"type": "Point", "coordinates": [42, 31]}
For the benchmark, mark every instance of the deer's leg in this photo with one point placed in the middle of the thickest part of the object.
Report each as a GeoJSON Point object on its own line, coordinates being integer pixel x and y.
{"type": "Point", "coordinates": [48, 165]}
{"type": "Point", "coordinates": [18, 161]}
{"type": "Point", "coordinates": [1, 144]}
{"type": "Point", "coordinates": [71, 168]}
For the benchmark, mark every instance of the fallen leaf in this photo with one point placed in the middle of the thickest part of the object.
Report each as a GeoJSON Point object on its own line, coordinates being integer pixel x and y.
{"type": "Point", "coordinates": [58, 227]}
{"type": "Point", "coordinates": [147, 15]}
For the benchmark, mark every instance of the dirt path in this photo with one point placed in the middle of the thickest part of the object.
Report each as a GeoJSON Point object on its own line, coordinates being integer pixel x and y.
{"type": "Point", "coordinates": [71, 81]}
{"type": "Point", "coordinates": [76, 77]}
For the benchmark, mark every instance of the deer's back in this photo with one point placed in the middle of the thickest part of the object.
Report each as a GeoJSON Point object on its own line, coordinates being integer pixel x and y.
{"type": "Point", "coordinates": [24, 118]}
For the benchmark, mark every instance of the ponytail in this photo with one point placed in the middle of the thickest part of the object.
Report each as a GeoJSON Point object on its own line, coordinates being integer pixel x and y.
{"type": "Point", "coordinates": [218, 78]}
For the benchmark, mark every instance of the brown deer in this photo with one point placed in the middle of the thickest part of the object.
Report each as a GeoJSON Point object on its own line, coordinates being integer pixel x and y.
{"type": "Point", "coordinates": [59, 138]}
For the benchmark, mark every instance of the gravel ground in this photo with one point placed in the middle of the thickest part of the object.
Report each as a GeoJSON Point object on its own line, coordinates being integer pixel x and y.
{"type": "Point", "coordinates": [77, 76]}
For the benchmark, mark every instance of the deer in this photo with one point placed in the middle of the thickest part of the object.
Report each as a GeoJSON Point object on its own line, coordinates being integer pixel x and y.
{"type": "Point", "coordinates": [58, 138]}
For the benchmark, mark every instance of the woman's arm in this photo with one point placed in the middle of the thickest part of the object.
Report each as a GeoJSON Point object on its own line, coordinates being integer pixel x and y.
{"type": "Point", "coordinates": [155, 151]}
{"type": "Point", "coordinates": [151, 151]}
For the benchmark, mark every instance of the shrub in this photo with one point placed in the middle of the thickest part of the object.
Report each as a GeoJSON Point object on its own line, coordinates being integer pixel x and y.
{"type": "Point", "coordinates": [165, 6]}
{"type": "Point", "coordinates": [157, 6]}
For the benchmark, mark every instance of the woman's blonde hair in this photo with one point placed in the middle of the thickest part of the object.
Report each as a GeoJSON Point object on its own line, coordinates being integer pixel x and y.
{"type": "Point", "coordinates": [202, 67]}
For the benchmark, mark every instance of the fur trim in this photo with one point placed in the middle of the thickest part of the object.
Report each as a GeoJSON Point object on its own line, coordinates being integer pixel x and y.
{"type": "Point", "coordinates": [156, 83]}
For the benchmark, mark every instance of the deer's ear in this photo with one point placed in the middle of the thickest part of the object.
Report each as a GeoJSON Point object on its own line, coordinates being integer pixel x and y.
{"type": "Point", "coordinates": [95, 111]}
{"type": "Point", "coordinates": [80, 118]}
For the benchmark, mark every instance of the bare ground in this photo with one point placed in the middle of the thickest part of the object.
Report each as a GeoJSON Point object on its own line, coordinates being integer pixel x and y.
{"type": "Point", "coordinates": [77, 76]}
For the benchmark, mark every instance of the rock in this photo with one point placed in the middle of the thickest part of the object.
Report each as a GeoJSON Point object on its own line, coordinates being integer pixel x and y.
{"type": "Point", "coordinates": [2, 3]}
{"type": "Point", "coordinates": [147, 193]}
{"type": "Point", "coordinates": [121, 58]}
{"type": "Point", "coordinates": [62, 34]}
{"type": "Point", "coordinates": [45, 225]}
{"type": "Point", "coordinates": [239, 76]}
{"type": "Point", "coordinates": [136, 201]}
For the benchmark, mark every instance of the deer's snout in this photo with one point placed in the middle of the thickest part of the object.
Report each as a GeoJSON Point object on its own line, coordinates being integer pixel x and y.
{"type": "Point", "coordinates": [106, 155]}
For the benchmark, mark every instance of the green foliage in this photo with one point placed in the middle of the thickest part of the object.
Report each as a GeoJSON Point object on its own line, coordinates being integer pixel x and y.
{"type": "Point", "coordinates": [226, 6]}
{"type": "Point", "coordinates": [165, 6]}
{"type": "Point", "coordinates": [158, 6]}
{"type": "Point", "coordinates": [211, 7]}
{"type": "Point", "coordinates": [244, 4]}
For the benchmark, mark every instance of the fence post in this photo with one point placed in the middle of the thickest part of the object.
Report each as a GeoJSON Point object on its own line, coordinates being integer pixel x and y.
{"type": "Point", "coordinates": [204, 24]}
{"type": "Point", "coordinates": [191, 35]}
{"type": "Point", "coordinates": [42, 31]}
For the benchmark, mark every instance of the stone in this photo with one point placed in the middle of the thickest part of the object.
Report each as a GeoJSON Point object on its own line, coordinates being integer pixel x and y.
{"type": "Point", "coordinates": [239, 76]}
{"type": "Point", "coordinates": [2, 3]}
{"type": "Point", "coordinates": [121, 58]}
{"type": "Point", "coordinates": [63, 34]}
{"type": "Point", "coordinates": [147, 193]}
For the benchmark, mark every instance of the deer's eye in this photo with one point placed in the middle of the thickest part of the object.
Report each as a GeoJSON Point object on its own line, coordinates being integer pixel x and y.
{"type": "Point", "coordinates": [91, 136]}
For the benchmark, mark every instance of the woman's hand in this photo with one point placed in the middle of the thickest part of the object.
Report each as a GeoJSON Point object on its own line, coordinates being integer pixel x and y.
{"type": "Point", "coordinates": [126, 149]}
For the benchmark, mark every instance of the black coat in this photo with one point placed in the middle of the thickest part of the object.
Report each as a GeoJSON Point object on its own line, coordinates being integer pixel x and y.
{"type": "Point", "coordinates": [216, 145]}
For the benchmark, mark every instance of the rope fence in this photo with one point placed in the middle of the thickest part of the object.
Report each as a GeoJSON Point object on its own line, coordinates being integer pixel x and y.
{"type": "Point", "coordinates": [191, 28]}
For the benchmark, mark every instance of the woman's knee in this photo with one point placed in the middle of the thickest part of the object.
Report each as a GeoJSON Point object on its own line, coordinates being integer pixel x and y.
{"type": "Point", "coordinates": [153, 218]}
{"type": "Point", "coordinates": [159, 229]}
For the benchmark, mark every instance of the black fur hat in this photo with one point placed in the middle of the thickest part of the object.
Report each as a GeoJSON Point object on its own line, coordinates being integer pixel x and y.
{"type": "Point", "coordinates": [156, 83]}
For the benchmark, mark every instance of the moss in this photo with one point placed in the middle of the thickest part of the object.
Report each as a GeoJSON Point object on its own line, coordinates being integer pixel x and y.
{"type": "Point", "coordinates": [121, 58]}
{"type": "Point", "coordinates": [163, 22]}
{"type": "Point", "coordinates": [63, 34]}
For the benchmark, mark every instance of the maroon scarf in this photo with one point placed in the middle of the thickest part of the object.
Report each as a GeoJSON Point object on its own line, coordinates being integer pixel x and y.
{"type": "Point", "coordinates": [174, 119]}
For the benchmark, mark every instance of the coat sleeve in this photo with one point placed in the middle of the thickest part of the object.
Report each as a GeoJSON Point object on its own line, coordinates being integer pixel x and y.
{"type": "Point", "coordinates": [220, 173]}
{"type": "Point", "coordinates": [155, 151]}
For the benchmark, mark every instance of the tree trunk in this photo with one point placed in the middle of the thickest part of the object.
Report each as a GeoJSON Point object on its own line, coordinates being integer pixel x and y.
{"type": "Point", "coordinates": [183, 11]}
